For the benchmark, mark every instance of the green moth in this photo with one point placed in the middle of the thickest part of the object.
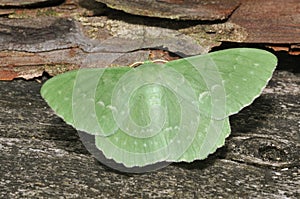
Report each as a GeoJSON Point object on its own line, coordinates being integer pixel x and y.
{"type": "Point", "coordinates": [172, 112]}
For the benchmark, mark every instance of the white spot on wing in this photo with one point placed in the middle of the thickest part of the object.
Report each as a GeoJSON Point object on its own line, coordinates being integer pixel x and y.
{"type": "Point", "coordinates": [112, 108]}
{"type": "Point", "coordinates": [202, 95]}
{"type": "Point", "coordinates": [101, 103]}
{"type": "Point", "coordinates": [168, 128]}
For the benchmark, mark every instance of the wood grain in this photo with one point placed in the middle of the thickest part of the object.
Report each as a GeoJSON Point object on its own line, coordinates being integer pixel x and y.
{"type": "Point", "coordinates": [269, 21]}
{"type": "Point", "coordinates": [41, 156]}
{"type": "Point", "coordinates": [177, 9]}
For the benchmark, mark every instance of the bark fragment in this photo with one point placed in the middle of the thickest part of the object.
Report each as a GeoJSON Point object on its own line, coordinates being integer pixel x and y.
{"type": "Point", "coordinates": [177, 9]}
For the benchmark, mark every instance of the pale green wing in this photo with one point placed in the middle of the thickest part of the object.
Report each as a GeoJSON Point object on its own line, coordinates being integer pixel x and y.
{"type": "Point", "coordinates": [228, 80]}
{"type": "Point", "coordinates": [157, 113]}
{"type": "Point", "coordinates": [173, 112]}
{"type": "Point", "coordinates": [211, 135]}
{"type": "Point", "coordinates": [73, 96]}
{"type": "Point", "coordinates": [57, 92]}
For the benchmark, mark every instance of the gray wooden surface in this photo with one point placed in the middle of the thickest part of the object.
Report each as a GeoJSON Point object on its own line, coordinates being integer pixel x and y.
{"type": "Point", "coordinates": [42, 157]}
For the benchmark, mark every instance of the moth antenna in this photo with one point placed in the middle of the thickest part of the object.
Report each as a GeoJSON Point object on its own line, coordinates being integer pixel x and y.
{"type": "Point", "coordinates": [135, 64]}
{"type": "Point", "coordinates": [160, 60]}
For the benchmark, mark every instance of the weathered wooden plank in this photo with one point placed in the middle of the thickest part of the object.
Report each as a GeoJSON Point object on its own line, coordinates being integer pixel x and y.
{"type": "Point", "coordinates": [51, 33]}
{"type": "Point", "coordinates": [38, 35]}
{"type": "Point", "coordinates": [80, 40]}
{"type": "Point", "coordinates": [177, 9]}
{"type": "Point", "coordinates": [41, 156]}
{"type": "Point", "coordinates": [22, 3]}
{"type": "Point", "coordinates": [30, 46]}
{"type": "Point", "coordinates": [14, 64]}
{"type": "Point", "coordinates": [269, 21]}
